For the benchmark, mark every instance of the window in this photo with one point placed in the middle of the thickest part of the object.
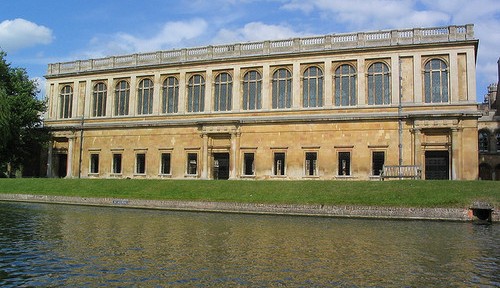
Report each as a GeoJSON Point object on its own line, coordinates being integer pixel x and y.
{"type": "Point", "coordinates": [145, 97]}
{"type": "Point", "coordinates": [140, 163]}
{"type": "Point", "coordinates": [99, 100]}
{"type": "Point", "coordinates": [344, 163]}
{"type": "Point", "coordinates": [122, 95]}
{"type": "Point", "coordinates": [379, 91]}
{"type": "Point", "coordinates": [345, 86]}
{"type": "Point", "coordinates": [252, 90]}
{"type": "Point", "coordinates": [170, 99]}
{"type": "Point", "coordinates": [282, 89]}
{"type": "Point", "coordinates": [484, 141]}
{"type": "Point", "coordinates": [248, 164]}
{"type": "Point", "coordinates": [192, 164]}
{"type": "Point", "coordinates": [436, 81]}
{"type": "Point", "coordinates": [312, 90]}
{"type": "Point", "coordinates": [223, 92]}
{"type": "Point", "coordinates": [165, 163]}
{"type": "Point", "coordinates": [117, 163]}
{"type": "Point", "coordinates": [196, 94]}
{"type": "Point", "coordinates": [310, 164]}
{"type": "Point", "coordinates": [279, 163]}
{"type": "Point", "coordinates": [66, 102]}
{"type": "Point", "coordinates": [94, 163]}
{"type": "Point", "coordinates": [497, 137]}
{"type": "Point", "coordinates": [378, 160]}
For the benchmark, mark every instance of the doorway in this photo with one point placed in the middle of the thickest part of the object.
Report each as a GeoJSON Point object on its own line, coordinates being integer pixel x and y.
{"type": "Point", "coordinates": [62, 165]}
{"type": "Point", "coordinates": [221, 166]}
{"type": "Point", "coordinates": [437, 165]}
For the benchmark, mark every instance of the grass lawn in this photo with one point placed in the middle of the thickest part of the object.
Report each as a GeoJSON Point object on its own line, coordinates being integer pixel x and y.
{"type": "Point", "coordinates": [405, 193]}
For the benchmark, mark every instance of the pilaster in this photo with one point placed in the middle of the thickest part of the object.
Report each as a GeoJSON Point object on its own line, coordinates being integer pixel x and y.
{"type": "Point", "coordinates": [328, 78]}
{"type": "Point", "coordinates": [266, 87]}
{"type": "Point", "coordinates": [296, 101]}
{"type": "Point", "coordinates": [417, 78]}
{"type": "Point", "coordinates": [361, 81]}
{"type": "Point", "coordinates": [453, 72]}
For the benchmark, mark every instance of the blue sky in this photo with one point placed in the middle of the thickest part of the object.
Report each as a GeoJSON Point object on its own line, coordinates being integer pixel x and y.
{"type": "Point", "coordinates": [35, 33]}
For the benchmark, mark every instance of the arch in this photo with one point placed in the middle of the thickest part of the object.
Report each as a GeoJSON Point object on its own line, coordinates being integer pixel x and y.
{"type": "Point", "coordinates": [122, 97]}
{"type": "Point", "coordinates": [252, 90]}
{"type": "Point", "coordinates": [345, 85]}
{"type": "Point", "coordinates": [312, 87]}
{"type": "Point", "coordinates": [145, 97]}
{"type": "Point", "coordinates": [379, 84]}
{"type": "Point", "coordinates": [66, 102]}
{"type": "Point", "coordinates": [282, 89]}
{"type": "Point", "coordinates": [436, 81]}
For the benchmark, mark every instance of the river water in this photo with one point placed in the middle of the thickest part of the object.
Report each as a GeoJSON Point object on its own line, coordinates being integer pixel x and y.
{"type": "Point", "coordinates": [74, 246]}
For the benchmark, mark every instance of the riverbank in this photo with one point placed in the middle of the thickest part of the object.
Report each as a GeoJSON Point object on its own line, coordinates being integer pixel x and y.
{"type": "Point", "coordinates": [352, 211]}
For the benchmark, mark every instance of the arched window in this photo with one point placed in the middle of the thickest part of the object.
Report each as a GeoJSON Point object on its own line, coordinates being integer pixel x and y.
{"type": "Point", "coordinates": [122, 95]}
{"type": "Point", "coordinates": [312, 91]}
{"type": "Point", "coordinates": [196, 93]}
{"type": "Point", "coordinates": [379, 87]}
{"type": "Point", "coordinates": [223, 92]}
{"type": "Point", "coordinates": [345, 86]}
{"type": "Point", "coordinates": [497, 137]}
{"type": "Point", "coordinates": [66, 102]}
{"type": "Point", "coordinates": [145, 97]}
{"type": "Point", "coordinates": [484, 141]}
{"type": "Point", "coordinates": [282, 89]}
{"type": "Point", "coordinates": [170, 98]}
{"type": "Point", "coordinates": [436, 81]}
{"type": "Point", "coordinates": [252, 90]}
{"type": "Point", "coordinates": [99, 100]}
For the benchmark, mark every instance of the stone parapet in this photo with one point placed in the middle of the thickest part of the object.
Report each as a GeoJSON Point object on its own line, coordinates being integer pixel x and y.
{"type": "Point", "coordinates": [334, 42]}
{"type": "Point", "coordinates": [441, 214]}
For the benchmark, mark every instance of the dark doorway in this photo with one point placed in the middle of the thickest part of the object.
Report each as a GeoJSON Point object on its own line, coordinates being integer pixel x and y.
{"type": "Point", "coordinates": [62, 165]}
{"type": "Point", "coordinates": [437, 165]}
{"type": "Point", "coordinates": [221, 166]}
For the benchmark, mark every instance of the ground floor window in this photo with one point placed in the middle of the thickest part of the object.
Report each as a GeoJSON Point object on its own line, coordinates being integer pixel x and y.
{"type": "Point", "coordinates": [140, 163]}
{"type": "Point", "coordinates": [94, 163]}
{"type": "Point", "coordinates": [310, 164]}
{"type": "Point", "coordinates": [378, 160]}
{"type": "Point", "coordinates": [192, 164]}
{"type": "Point", "coordinates": [248, 164]}
{"type": "Point", "coordinates": [344, 164]}
{"type": "Point", "coordinates": [279, 163]}
{"type": "Point", "coordinates": [117, 163]}
{"type": "Point", "coordinates": [165, 163]}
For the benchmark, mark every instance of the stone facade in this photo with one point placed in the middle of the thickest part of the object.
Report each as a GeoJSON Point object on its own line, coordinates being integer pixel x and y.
{"type": "Point", "coordinates": [327, 107]}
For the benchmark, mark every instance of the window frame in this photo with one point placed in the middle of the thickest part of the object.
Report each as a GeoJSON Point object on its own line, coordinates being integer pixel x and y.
{"type": "Point", "coordinates": [385, 84]}
{"type": "Point", "coordinates": [170, 95]}
{"type": "Point", "coordinates": [483, 143]}
{"type": "Point", "coordinates": [122, 98]}
{"type": "Point", "coordinates": [430, 88]}
{"type": "Point", "coordinates": [194, 86]}
{"type": "Point", "coordinates": [276, 165]}
{"type": "Point", "coordinates": [188, 163]}
{"type": "Point", "coordinates": [99, 96]}
{"type": "Point", "coordinates": [318, 85]}
{"type": "Point", "coordinates": [66, 102]}
{"type": "Point", "coordinates": [340, 165]}
{"type": "Point", "coordinates": [247, 96]}
{"type": "Point", "coordinates": [145, 94]}
{"type": "Point", "coordinates": [223, 92]}
{"type": "Point", "coordinates": [162, 163]}
{"type": "Point", "coordinates": [140, 166]}
{"type": "Point", "coordinates": [339, 92]}
{"type": "Point", "coordinates": [94, 163]}
{"type": "Point", "coordinates": [374, 172]}
{"type": "Point", "coordinates": [245, 166]}
{"type": "Point", "coordinates": [307, 165]}
{"type": "Point", "coordinates": [282, 99]}
{"type": "Point", "coordinates": [114, 163]}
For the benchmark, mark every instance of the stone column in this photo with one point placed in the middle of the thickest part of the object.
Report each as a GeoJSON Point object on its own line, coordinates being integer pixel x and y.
{"type": "Point", "coordinates": [455, 154]}
{"type": "Point", "coordinates": [328, 81]}
{"type": "Point", "coordinates": [110, 97]}
{"type": "Point", "coordinates": [208, 92]}
{"type": "Point", "coordinates": [361, 101]}
{"type": "Point", "coordinates": [157, 94]}
{"type": "Point", "coordinates": [182, 92]}
{"type": "Point", "coordinates": [266, 87]}
{"type": "Point", "coordinates": [235, 148]}
{"type": "Point", "coordinates": [296, 94]}
{"type": "Point", "coordinates": [132, 111]}
{"type": "Point", "coordinates": [417, 148]}
{"type": "Point", "coordinates": [69, 163]}
{"type": "Point", "coordinates": [204, 171]}
{"type": "Point", "coordinates": [237, 97]}
{"type": "Point", "coordinates": [49, 159]}
{"type": "Point", "coordinates": [417, 78]}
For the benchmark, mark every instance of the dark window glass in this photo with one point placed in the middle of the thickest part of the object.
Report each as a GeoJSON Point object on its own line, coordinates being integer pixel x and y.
{"type": "Point", "coordinates": [66, 102]}
{"type": "Point", "coordinates": [165, 163]}
{"type": "Point", "coordinates": [170, 97]}
{"type": "Point", "coordinates": [252, 91]}
{"type": "Point", "coordinates": [378, 159]}
{"type": "Point", "coordinates": [248, 168]}
{"type": "Point", "coordinates": [344, 163]}
{"type": "Point", "coordinates": [196, 94]}
{"type": "Point", "coordinates": [345, 86]}
{"type": "Point", "coordinates": [99, 100]}
{"type": "Point", "coordinates": [192, 164]}
{"type": "Point", "coordinates": [279, 163]}
{"type": "Point", "coordinates": [379, 92]}
{"type": "Point", "coordinates": [282, 89]}
{"type": "Point", "coordinates": [94, 163]}
{"type": "Point", "coordinates": [117, 163]}
{"type": "Point", "coordinates": [310, 165]}
{"type": "Point", "coordinates": [436, 81]}
{"type": "Point", "coordinates": [140, 163]}
{"type": "Point", "coordinates": [145, 97]}
{"type": "Point", "coordinates": [312, 90]}
{"type": "Point", "coordinates": [122, 95]}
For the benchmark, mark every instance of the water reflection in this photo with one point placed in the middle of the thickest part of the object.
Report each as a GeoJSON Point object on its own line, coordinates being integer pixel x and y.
{"type": "Point", "coordinates": [57, 245]}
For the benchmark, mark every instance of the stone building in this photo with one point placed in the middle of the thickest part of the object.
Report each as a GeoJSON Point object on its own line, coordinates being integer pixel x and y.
{"type": "Point", "coordinates": [489, 134]}
{"type": "Point", "coordinates": [328, 107]}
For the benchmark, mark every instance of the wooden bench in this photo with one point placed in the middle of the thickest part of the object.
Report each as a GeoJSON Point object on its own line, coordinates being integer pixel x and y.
{"type": "Point", "coordinates": [401, 172]}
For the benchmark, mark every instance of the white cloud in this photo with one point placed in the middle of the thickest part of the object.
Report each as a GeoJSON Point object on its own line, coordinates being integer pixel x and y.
{"type": "Point", "coordinates": [19, 33]}
{"type": "Point", "coordinates": [40, 82]}
{"type": "Point", "coordinates": [255, 31]}
{"type": "Point", "coordinates": [170, 34]}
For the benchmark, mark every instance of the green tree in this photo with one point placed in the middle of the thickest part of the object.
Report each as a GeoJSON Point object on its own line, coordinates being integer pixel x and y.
{"type": "Point", "coordinates": [21, 129]}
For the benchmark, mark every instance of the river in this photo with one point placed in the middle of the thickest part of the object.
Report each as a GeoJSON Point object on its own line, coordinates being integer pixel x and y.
{"type": "Point", "coordinates": [76, 246]}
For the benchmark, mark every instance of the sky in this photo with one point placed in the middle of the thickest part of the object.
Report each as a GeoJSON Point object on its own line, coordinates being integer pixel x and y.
{"type": "Point", "coordinates": [35, 33]}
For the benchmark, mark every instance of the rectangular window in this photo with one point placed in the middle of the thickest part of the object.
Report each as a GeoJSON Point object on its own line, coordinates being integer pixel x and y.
{"type": "Point", "coordinates": [378, 159]}
{"type": "Point", "coordinates": [192, 164]}
{"type": "Point", "coordinates": [279, 163]}
{"type": "Point", "coordinates": [140, 163]}
{"type": "Point", "coordinates": [248, 164]}
{"type": "Point", "coordinates": [94, 163]}
{"type": "Point", "coordinates": [310, 164]}
{"type": "Point", "coordinates": [117, 163]}
{"type": "Point", "coordinates": [344, 163]}
{"type": "Point", "coordinates": [165, 163]}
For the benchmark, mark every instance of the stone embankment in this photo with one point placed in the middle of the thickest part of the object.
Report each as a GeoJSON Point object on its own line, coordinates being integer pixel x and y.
{"type": "Point", "coordinates": [443, 214]}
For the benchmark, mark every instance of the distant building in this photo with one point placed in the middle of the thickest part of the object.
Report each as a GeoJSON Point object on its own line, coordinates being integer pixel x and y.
{"type": "Point", "coordinates": [328, 107]}
{"type": "Point", "coordinates": [489, 134]}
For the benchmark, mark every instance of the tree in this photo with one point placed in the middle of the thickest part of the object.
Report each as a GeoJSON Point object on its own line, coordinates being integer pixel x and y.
{"type": "Point", "coordinates": [21, 128]}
